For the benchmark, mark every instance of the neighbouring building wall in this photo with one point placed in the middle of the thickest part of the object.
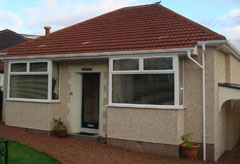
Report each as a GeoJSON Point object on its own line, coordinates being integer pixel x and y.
{"type": "Point", "coordinates": [140, 129]}
{"type": "Point", "coordinates": [227, 121]}
{"type": "Point", "coordinates": [193, 115]}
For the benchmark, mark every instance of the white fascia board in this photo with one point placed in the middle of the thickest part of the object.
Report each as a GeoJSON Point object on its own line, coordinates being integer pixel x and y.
{"type": "Point", "coordinates": [234, 50]}
{"type": "Point", "coordinates": [100, 55]}
{"type": "Point", "coordinates": [230, 47]}
{"type": "Point", "coordinates": [3, 53]}
{"type": "Point", "coordinates": [212, 42]}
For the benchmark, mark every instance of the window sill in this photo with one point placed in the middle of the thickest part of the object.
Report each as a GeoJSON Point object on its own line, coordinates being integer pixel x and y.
{"type": "Point", "coordinates": [171, 107]}
{"type": "Point", "coordinates": [33, 100]}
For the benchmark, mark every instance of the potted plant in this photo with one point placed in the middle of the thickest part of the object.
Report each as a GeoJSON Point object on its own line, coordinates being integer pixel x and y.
{"type": "Point", "coordinates": [60, 128]}
{"type": "Point", "coordinates": [190, 149]}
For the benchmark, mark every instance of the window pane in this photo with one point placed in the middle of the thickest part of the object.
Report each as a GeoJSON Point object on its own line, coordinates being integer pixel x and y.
{"type": "Point", "coordinates": [55, 81]}
{"type": "Point", "coordinates": [125, 64]}
{"type": "Point", "coordinates": [29, 86]}
{"type": "Point", "coordinates": [19, 67]}
{"type": "Point", "coordinates": [38, 67]}
{"type": "Point", "coordinates": [158, 63]}
{"type": "Point", "coordinates": [156, 89]}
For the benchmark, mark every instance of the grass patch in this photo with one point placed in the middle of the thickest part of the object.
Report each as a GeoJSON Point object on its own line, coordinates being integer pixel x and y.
{"type": "Point", "coordinates": [23, 154]}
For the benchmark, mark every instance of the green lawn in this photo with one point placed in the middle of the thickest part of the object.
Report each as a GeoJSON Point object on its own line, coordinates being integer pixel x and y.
{"type": "Point", "coordinates": [23, 154]}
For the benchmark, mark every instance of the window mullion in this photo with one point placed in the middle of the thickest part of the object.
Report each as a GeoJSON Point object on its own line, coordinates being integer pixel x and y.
{"type": "Point", "coordinates": [110, 81]}
{"type": "Point", "coordinates": [28, 67]}
{"type": "Point", "coordinates": [141, 64]}
{"type": "Point", "coordinates": [176, 79]}
{"type": "Point", "coordinates": [50, 67]}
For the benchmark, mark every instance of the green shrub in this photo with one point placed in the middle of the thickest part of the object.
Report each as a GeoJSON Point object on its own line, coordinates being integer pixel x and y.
{"type": "Point", "coordinates": [59, 124]}
{"type": "Point", "coordinates": [186, 139]}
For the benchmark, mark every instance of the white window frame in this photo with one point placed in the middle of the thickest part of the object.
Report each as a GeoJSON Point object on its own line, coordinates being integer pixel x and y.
{"type": "Point", "coordinates": [174, 70]}
{"type": "Point", "coordinates": [48, 72]}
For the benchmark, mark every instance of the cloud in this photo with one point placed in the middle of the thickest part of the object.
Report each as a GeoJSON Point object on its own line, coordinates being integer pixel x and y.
{"type": "Point", "coordinates": [230, 26]}
{"type": "Point", "coordinates": [10, 20]}
{"type": "Point", "coordinates": [232, 17]}
{"type": "Point", "coordinates": [60, 13]}
{"type": "Point", "coordinates": [232, 34]}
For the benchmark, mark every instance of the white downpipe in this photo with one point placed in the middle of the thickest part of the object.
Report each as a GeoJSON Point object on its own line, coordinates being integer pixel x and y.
{"type": "Point", "coordinates": [202, 66]}
{"type": "Point", "coordinates": [204, 102]}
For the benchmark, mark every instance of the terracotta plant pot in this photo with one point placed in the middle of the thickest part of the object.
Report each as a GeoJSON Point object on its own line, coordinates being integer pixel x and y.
{"type": "Point", "coordinates": [62, 133]}
{"type": "Point", "coordinates": [190, 152]}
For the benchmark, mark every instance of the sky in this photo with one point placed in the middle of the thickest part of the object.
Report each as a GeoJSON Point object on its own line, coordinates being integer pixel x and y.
{"type": "Point", "coordinates": [30, 16]}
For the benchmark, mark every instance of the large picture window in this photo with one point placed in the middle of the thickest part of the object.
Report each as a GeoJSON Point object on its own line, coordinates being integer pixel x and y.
{"type": "Point", "coordinates": [145, 81]}
{"type": "Point", "coordinates": [33, 81]}
{"type": "Point", "coordinates": [156, 89]}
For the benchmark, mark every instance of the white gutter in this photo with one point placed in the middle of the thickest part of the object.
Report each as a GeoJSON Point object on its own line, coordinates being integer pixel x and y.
{"type": "Point", "coordinates": [101, 54]}
{"type": "Point", "coordinates": [202, 66]}
{"type": "Point", "coordinates": [231, 48]}
{"type": "Point", "coordinates": [2, 54]}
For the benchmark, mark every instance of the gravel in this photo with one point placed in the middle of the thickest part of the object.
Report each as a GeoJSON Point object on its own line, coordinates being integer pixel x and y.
{"type": "Point", "coordinates": [77, 151]}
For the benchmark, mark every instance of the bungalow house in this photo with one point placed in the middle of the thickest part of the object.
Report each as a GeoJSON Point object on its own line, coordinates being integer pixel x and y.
{"type": "Point", "coordinates": [138, 76]}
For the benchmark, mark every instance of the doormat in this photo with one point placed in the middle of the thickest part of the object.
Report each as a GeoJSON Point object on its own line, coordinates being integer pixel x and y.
{"type": "Point", "coordinates": [87, 134]}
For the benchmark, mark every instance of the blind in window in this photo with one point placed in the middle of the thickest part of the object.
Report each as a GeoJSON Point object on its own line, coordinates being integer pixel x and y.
{"type": "Point", "coordinates": [156, 89]}
{"type": "Point", "coordinates": [29, 86]}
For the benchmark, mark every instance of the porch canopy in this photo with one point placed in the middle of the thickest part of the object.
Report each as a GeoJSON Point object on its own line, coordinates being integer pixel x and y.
{"type": "Point", "coordinates": [228, 91]}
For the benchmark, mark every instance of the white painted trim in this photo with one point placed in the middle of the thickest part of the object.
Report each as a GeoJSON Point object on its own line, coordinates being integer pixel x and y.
{"type": "Point", "coordinates": [147, 106]}
{"type": "Point", "coordinates": [28, 67]}
{"type": "Point", "coordinates": [32, 100]}
{"type": "Point", "coordinates": [174, 71]}
{"type": "Point", "coordinates": [225, 94]}
{"type": "Point", "coordinates": [145, 72]}
{"type": "Point", "coordinates": [49, 69]}
{"type": "Point", "coordinates": [89, 130]}
{"type": "Point", "coordinates": [110, 81]}
{"type": "Point", "coordinates": [28, 73]}
{"type": "Point", "coordinates": [101, 54]}
{"type": "Point", "coordinates": [231, 48]}
{"type": "Point", "coordinates": [3, 53]}
{"type": "Point", "coordinates": [48, 73]}
{"type": "Point", "coordinates": [176, 79]}
{"type": "Point", "coordinates": [183, 79]}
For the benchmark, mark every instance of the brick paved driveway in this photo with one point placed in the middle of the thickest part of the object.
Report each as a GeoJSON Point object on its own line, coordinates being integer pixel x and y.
{"type": "Point", "coordinates": [77, 151]}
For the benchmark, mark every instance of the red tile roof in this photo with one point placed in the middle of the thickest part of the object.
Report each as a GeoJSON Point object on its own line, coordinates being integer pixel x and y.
{"type": "Point", "coordinates": [144, 27]}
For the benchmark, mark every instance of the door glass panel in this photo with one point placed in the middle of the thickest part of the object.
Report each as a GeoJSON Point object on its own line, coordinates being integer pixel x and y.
{"type": "Point", "coordinates": [90, 100]}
